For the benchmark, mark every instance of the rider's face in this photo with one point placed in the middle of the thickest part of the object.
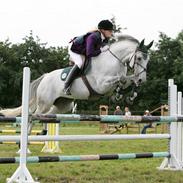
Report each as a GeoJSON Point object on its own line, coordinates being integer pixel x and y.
{"type": "Point", "coordinates": [107, 33]}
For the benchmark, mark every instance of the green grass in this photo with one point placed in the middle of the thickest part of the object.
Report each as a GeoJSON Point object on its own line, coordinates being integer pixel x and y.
{"type": "Point", "coordinates": [115, 171]}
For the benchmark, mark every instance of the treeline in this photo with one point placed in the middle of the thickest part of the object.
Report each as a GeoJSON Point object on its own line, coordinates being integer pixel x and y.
{"type": "Point", "coordinates": [166, 61]}
{"type": "Point", "coordinates": [31, 53]}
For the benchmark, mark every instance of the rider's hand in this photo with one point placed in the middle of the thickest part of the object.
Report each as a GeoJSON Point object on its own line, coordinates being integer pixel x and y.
{"type": "Point", "coordinates": [105, 48]}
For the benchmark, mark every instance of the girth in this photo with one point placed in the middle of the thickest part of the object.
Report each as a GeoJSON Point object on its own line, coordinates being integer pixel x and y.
{"type": "Point", "coordinates": [92, 92]}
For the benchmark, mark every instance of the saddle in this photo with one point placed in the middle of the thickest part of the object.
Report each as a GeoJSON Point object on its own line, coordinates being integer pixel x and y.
{"type": "Point", "coordinates": [85, 68]}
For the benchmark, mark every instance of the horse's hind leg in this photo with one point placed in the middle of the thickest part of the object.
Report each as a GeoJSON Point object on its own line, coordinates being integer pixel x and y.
{"type": "Point", "coordinates": [42, 108]}
{"type": "Point", "coordinates": [61, 105]}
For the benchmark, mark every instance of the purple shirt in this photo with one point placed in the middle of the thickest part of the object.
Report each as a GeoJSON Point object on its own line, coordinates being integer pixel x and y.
{"type": "Point", "coordinates": [90, 46]}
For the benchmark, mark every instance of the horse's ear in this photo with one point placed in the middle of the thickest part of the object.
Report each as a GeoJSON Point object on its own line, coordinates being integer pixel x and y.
{"type": "Point", "coordinates": [141, 43]}
{"type": "Point", "coordinates": [150, 44]}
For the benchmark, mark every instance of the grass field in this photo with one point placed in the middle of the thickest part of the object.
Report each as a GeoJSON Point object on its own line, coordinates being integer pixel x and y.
{"type": "Point", "coordinates": [115, 171]}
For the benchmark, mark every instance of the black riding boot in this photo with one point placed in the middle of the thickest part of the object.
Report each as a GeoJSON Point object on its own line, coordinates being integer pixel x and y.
{"type": "Point", "coordinates": [72, 75]}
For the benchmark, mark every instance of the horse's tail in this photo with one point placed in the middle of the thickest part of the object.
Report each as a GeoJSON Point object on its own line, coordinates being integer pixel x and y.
{"type": "Point", "coordinates": [32, 101]}
{"type": "Point", "coordinates": [11, 112]}
{"type": "Point", "coordinates": [33, 93]}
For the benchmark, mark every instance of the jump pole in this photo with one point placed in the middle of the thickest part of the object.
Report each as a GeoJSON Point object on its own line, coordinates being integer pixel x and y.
{"type": "Point", "coordinates": [64, 158]}
{"type": "Point", "coordinates": [79, 118]}
{"type": "Point", "coordinates": [34, 132]}
{"type": "Point", "coordinates": [22, 174]}
{"type": "Point", "coordinates": [179, 127]}
{"type": "Point", "coordinates": [173, 162]}
{"type": "Point", "coordinates": [15, 138]}
{"type": "Point", "coordinates": [52, 146]}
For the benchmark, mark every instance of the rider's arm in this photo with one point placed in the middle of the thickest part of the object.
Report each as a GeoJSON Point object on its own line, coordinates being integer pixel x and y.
{"type": "Point", "coordinates": [93, 44]}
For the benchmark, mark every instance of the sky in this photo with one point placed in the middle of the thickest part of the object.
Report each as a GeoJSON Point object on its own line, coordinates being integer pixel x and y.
{"type": "Point", "coordinates": [57, 21]}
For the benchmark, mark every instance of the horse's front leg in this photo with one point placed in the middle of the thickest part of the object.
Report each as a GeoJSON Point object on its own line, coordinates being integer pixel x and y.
{"type": "Point", "coordinates": [107, 83]}
{"type": "Point", "coordinates": [131, 79]}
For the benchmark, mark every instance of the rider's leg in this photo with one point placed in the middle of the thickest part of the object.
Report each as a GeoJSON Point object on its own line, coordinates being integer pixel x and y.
{"type": "Point", "coordinates": [74, 71]}
{"type": "Point", "coordinates": [72, 75]}
{"type": "Point", "coordinates": [76, 58]}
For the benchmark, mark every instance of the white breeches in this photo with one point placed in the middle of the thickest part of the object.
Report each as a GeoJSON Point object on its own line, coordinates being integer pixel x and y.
{"type": "Point", "coordinates": [76, 58]}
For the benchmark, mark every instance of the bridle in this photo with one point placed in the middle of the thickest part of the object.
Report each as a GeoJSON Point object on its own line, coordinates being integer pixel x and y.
{"type": "Point", "coordinates": [135, 62]}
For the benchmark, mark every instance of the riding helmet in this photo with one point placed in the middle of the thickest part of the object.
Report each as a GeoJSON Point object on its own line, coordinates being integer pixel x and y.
{"type": "Point", "coordinates": [105, 24]}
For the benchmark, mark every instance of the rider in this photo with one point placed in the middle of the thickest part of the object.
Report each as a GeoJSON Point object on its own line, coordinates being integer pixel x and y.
{"type": "Point", "coordinates": [88, 45]}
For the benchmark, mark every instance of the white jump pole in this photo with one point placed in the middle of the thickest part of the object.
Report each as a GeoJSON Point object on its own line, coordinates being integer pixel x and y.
{"type": "Point", "coordinates": [22, 174]}
{"type": "Point", "coordinates": [15, 138]}
{"type": "Point", "coordinates": [172, 163]}
{"type": "Point", "coordinates": [182, 133]}
{"type": "Point", "coordinates": [179, 129]}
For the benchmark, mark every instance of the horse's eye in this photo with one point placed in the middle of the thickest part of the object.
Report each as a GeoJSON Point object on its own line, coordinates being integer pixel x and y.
{"type": "Point", "coordinates": [139, 58]}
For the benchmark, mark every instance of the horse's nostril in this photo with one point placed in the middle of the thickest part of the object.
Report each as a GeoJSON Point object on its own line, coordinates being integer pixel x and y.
{"type": "Point", "coordinates": [140, 80]}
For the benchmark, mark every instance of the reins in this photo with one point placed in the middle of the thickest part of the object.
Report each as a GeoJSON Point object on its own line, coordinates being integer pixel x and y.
{"type": "Point", "coordinates": [136, 62]}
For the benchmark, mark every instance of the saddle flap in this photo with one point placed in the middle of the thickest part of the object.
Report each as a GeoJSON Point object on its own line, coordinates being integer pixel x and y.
{"type": "Point", "coordinates": [65, 73]}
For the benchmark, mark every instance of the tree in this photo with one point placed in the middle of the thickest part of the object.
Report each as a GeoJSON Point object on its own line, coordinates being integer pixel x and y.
{"type": "Point", "coordinates": [31, 53]}
{"type": "Point", "coordinates": [166, 62]}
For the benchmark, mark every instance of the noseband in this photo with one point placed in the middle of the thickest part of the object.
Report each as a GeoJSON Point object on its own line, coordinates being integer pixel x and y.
{"type": "Point", "coordinates": [137, 63]}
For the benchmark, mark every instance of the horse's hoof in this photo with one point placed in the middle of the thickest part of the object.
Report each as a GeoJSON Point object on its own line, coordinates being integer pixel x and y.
{"type": "Point", "coordinates": [1, 114]}
{"type": "Point", "coordinates": [128, 101]}
{"type": "Point", "coordinates": [113, 99]}
{"type": "Point", "coordinates": [118, 97]}
{"type": "Point", "coordinates": [43, 132]}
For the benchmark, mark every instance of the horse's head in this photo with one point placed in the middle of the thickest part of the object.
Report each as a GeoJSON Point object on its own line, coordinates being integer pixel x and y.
{"type": "Point", "coordinates": [139, 61]}
{"type": "Point", "coordinates": [133, 58]}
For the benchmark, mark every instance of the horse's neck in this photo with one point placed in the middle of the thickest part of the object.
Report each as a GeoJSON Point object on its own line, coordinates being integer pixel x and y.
{"type": "Point", "coordinates": [124, 49]}
{"type": "Point", "coordinates": [106, 70]}
{"type": "Point", "coordinates": [107, 64]}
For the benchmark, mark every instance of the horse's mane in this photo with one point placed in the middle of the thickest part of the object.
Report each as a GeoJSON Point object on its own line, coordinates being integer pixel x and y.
{"type": "Point", "coordinates": [122, 37]}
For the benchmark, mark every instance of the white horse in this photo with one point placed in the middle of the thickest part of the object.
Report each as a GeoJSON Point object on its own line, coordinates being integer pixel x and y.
{"type": "Point", "coordinates": [106, 72]}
